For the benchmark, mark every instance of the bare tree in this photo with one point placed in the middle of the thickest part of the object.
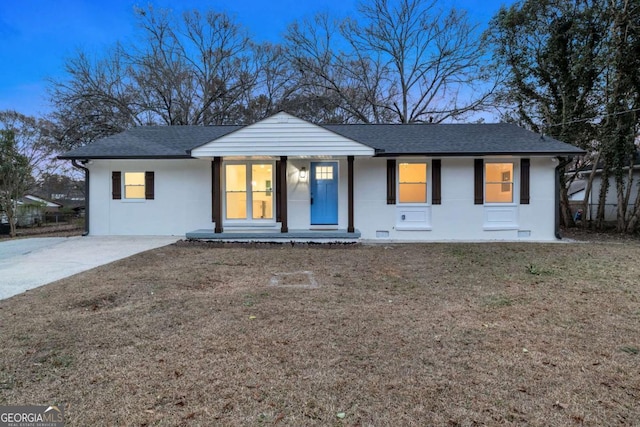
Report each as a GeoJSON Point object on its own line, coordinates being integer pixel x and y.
{"type": "Point", "coordinates": [97, 99]}
{"type": "Point", "coordinates": [32, 138]}
{"type": "Point", "coordinates": [339, 79]}
{"type": "Point", "coordinates": [405, 61]}
{"type": "Point", "coordinates": [193, 69]}
{"type": "Point", "coordinates": [25, 154]}
{"type": "Point", "coordinates": [15, 175]}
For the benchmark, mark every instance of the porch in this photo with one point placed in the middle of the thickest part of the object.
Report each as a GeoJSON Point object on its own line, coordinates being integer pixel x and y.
{"type": "Point", "coordinates": [276, 236]}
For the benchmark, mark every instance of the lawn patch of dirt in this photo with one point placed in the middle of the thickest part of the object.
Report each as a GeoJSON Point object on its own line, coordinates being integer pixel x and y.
{"type": "Point", "coordinates": [419, 334]}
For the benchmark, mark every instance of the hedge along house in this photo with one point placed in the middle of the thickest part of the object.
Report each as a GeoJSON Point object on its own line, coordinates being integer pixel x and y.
{"type": "Point", "coordinates": [285, 178]}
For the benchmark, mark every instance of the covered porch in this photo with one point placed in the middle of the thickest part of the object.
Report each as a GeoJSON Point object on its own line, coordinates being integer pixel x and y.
{"type": "Point", "coordinates": [281, 179]}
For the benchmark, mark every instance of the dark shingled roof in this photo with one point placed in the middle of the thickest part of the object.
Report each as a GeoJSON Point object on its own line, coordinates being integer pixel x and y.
{"type": "Point", "coordinates": [387, 140]}
{"type": "Point", "coordinates": [150, 142]}
{"type": "Point", "coordinates": [453, 139]}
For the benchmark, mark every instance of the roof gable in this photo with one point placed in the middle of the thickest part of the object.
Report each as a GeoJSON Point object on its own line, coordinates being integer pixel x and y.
{"type": "Point", "coordinates": [29, 199]}
{"type": "Point", "coordinates": [282, 135]}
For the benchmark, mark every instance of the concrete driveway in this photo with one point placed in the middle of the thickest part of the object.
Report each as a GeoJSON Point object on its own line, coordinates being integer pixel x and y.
{"type": "Point", "coordinates": [29, 263]}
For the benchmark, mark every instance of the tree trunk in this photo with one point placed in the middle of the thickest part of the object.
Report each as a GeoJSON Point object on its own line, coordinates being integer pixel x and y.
{"type": "Point", "coordinates": [566, 219]}
{"type": "Point", "coordinates": [621, 210]}
{"type": "Point", "coordinates": [587, 192]}
{"type": "Point", "coordinates": [11, 217]}
{"type": "Point", "coordinates": [634, 218]}
{"type": "Point", "coordinates": [623, 202]}
{"type": "Point", "coordinates": [602, 197]}
{"type": "Point", "coordinates": [565, 208]}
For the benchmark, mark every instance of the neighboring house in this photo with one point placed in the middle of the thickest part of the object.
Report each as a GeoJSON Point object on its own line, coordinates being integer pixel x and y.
{"type": "Point", "coordinates": [577, 191]}
{"type": "Point", "coordinates": [288, 177]}
{"type": "Point", "coordinates": [31, 210]}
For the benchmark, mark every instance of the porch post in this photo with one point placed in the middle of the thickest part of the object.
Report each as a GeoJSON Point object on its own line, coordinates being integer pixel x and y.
{"type": "Point", "coordinates": [216, 193]}
{"type": "Point", "coordinates": [278, 191]}
{"type": "Point", "coordinates": [283, 194]}
{"type": "Point", "coordinates": [350, 227]}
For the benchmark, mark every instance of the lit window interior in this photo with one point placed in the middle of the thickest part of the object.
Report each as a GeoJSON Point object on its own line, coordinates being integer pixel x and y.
{"type": "Point", "coordinates": [412, 187]}
{"type": "Point", "coordinates": [258, 197]}
{"type": "Point", "coordinates": [236, 186]}
{"type": "Point", "coordinates": [499, 182]}
{"type": "Point", "coordinates": [262, 191]}
{"type": "Point", "coordinates": [324, 172]}
{"type": "Point", "coordinates": [134, 185]}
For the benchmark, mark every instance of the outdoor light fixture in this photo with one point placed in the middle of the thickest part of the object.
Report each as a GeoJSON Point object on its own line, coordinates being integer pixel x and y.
{"type": "Point", "coordinates": [303, 174]}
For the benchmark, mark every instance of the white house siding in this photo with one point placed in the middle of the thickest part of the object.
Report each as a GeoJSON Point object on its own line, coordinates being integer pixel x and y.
{"type": "Point", "coordinates": [182, 200]}
{"type": "Point", "coordinates": [540, 214]}
{"type": "Point", "coordinates": [457, 217]}
{"type": "Point", "coordinates": [282, 135]}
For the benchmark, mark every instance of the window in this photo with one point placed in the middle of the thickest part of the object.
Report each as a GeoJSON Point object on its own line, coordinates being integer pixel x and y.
{"type": "Point", "coordinates": [412, 183]}
{"type": "Point", "coordinates": [262, 191]}
{"type": "Point", "coordinates": [236, 188]}
{"type": "Point", "coordinates": [249, 191]}
{"type": "Point", "coordinates": [499, 182]}
{"type": "Point", "coordinates": [134, 185]}
{"type": "Point", "coordinates": [324, 172]}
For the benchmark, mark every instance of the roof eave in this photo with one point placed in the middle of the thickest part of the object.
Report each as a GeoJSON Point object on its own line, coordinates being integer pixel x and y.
{"type": "Point", "coordinates": [479, 153]}
{"type": "Point", "coordinates": [154, 157]}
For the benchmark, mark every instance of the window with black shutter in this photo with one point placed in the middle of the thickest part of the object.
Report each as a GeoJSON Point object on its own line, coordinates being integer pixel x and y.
{"type": "Point", "coordinates": [478, 182]}
{"type": "Point", "coordinates": [149, 184]}
{"type": "Point", "coordinates": [525, 166]}
{"type": "Point", "coordinates": [116, 185]}
{"type": "Point", "coordinates": [391, 181]}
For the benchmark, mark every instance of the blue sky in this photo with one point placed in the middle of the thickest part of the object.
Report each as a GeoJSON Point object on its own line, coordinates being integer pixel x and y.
{"type": "Point", "coordinates": [37, 35]}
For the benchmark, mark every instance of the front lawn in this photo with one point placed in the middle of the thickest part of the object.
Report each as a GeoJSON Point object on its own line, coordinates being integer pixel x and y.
{"type": "Point", "coordinates": [434, 334]}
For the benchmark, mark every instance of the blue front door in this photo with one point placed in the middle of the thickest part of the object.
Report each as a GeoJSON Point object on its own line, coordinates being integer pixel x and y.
{"type": "Point", "coordinates": [324, 193]}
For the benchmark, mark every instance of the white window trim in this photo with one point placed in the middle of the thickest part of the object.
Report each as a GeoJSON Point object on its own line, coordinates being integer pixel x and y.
{"type": "Point", "coordinates": [123, 189]}
{"type": "Point", "coordinates": [515, 180]}
{"type": "Point", "coordinates": [424, 208]}
{"type": "Point", "coordinates": [502, 208]}
{"type": "Point", "coordinates": [249, 221]}
{"type": "Point", "coordinates": [428, 183]}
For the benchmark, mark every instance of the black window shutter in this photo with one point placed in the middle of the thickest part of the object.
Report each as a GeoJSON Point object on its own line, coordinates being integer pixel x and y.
{"type": "Point", "coordinates": [391, 181]}
{"type": "Point", "coordinates": [525, 166]}
{"type": "Point", "coordinates": [116, 185]}
{"type": "Point", "coordinates": [149, 183]}
{"type": "Point", "coordinates": [436, 182]}
{"type": "Point", "coordinates": [478, 181]}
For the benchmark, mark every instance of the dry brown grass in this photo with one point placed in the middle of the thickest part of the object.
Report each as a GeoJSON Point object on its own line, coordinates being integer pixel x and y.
{"type": "Point", "coordinates": [438, 334]}
{"type": "Point", "coordinates": [49, 230]}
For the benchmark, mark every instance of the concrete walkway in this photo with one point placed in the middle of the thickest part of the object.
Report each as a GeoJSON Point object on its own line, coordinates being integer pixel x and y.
{"type": "Point", "coordinates": [29, 263]}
